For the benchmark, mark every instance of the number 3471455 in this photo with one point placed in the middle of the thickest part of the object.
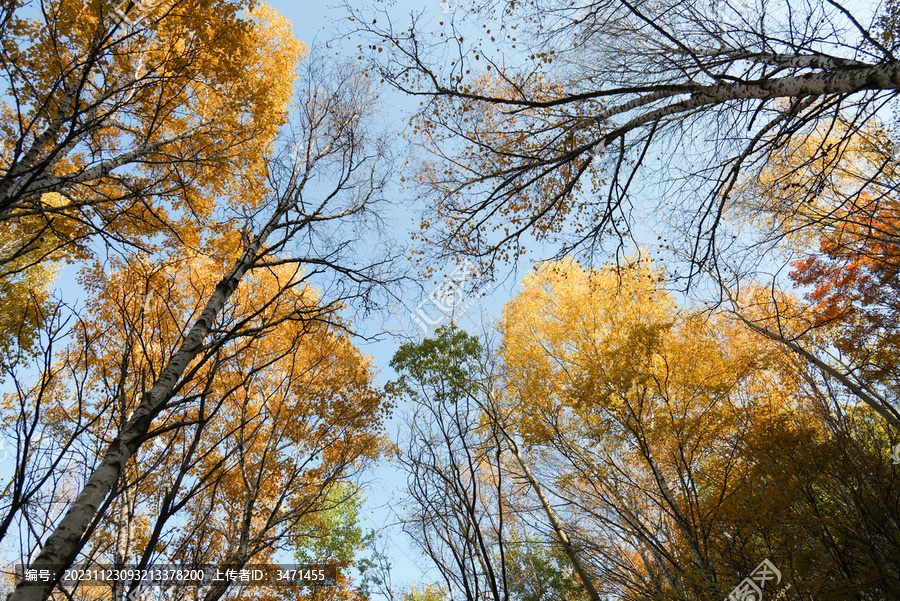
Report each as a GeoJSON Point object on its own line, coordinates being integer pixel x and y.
{"type": "Point", "coordinates": [302, 575]}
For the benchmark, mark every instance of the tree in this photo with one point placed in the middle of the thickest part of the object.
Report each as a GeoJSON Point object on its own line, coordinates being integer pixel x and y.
{"type": "Point", "coordinates": [684, 448]}
{"type": "Point", "coordinates": [126, 131]}
{"type": "Point", "coordinates": [844, 235]}
{"type": "Point", "coordinates": [626, 395]}
{"type": "Point", "coordinates": [454, 476]}
{"type": "Point", "coordinates": [538, 572]}
{"type": "Point", "coordinates": [376, 570]}
{"type": "Point", "coordinates": [557, 119]}
{"type": "Point", "coordinates": [246, 295]}
{"type": "Point", "coordinates": [429, 592]}
{"type": "Point", "coordinates": [333, 536]}
{"type": "Point", "coordinates": [257, 435]}
{"type": "Point", "coordinates": [24, 305]}
{"type": "Point", "coordinates": [458, 468]}
{"type": "Point", "coordinates": [135, 127]}
{"type": "Point", "coordinates": [853, 271]}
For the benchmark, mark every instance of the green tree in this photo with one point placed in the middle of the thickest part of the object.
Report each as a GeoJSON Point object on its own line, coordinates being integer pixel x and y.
{"type": "Point", "coordinates": [334, 534]}
{"type": "Point", "coordinates": [540, 571]}
{"type": "Point", "coordinates": [444, 366]}
{"type": "Point", "coordinates": [429, 592]}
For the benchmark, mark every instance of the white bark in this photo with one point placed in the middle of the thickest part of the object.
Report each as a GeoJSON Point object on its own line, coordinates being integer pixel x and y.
{"type": "Point", "coordinates": [124, 539]}
{"type": "Point", "coordinates": [21, 188]}
{"type": "Point", "coordinates": [65, 541]}
{"type": "Point", "coordinates": [555, 523]}
{"type": "Point", "coordinates": [845, 80]}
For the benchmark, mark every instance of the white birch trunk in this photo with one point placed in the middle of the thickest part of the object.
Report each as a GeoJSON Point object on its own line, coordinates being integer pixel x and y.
{"type": "Point", "coordinates": [64, 543]}
{"type": "Point", "coordinates": [124, 539]}
{"type": "Point", "coordinates": [548, 508]}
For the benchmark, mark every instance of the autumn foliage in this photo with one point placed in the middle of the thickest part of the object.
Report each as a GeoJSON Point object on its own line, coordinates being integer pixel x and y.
{"type": "Point", "coordinates": [677, 449]}
{"type": "Point", "coordinates": [140, 130]}
{"type": "Point", "coordinates": [208, 192]}
{"type": "Point", "coordinates": [204, 396]}
{"type": "Point", "coordinates": [854, 284]}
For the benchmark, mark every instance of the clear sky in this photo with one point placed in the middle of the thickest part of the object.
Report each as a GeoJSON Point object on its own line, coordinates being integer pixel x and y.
{"type": "Point", "coordinates": [316, 25]}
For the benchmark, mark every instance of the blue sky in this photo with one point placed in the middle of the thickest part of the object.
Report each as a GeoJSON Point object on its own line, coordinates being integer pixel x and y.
{"type": "Point", "coordinates": [316, 25]}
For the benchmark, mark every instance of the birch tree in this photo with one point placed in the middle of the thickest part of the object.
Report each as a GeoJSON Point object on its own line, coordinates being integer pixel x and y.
{"type": "Point", "coordinates": [569, 123]}
{"type": "Point", "coordinates": [248, 449]}
{"type": "Point", "coordinates": [328, 178]}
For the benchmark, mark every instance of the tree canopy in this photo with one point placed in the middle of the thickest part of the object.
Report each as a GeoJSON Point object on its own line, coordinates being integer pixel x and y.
{"type": "Point", "coordinates": [572, 123]}
{"type": "Point", "coordinates": [691, 394]}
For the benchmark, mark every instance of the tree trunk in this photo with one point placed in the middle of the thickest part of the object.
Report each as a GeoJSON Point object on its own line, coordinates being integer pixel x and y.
{"type": "Point", "coordinates": [67, 538]}
{"type": "Point", "coordinates": [548, 509]}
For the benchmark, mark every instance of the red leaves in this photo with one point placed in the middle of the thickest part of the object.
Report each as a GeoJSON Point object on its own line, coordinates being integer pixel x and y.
{"type": "Point", "coordinates": [854, 283]}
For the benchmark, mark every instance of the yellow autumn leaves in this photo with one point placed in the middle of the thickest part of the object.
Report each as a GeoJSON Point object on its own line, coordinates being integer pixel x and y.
{"type": "Point", "coordinates": [613, 346]}
{"type": "Point", "coordinates": [676, 439]}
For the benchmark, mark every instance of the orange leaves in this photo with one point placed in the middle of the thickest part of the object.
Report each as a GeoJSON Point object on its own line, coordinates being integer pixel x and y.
{"type": "Point", "coordinates": [826, 195]}
{"type": "Point", "coordinates": [189, 99]}
{"type": "Point", "coordinates": [266, 419]}
{"type": "Point", "coordinates": [686, 428]}
{"type": "Point", "coordinates": [854, 289]}
{"type": "Point", "coordinates": [612, 346]}
{"type": "Point", "coordinates": [562, 331]}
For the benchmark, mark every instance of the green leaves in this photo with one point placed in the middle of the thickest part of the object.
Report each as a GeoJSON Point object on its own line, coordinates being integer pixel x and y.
{"type": "Point", "coordinates": [335, 535]}
{"type": "Point", "coordinates": [445, 365]}
{"type": "Point", "coordinates": [540, 572]}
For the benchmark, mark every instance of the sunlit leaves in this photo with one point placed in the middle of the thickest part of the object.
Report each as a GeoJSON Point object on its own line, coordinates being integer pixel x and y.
{"type": "Point", "coordinates": [143, 128]}
{"type": "Point", "coordinates": [832, 199]}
